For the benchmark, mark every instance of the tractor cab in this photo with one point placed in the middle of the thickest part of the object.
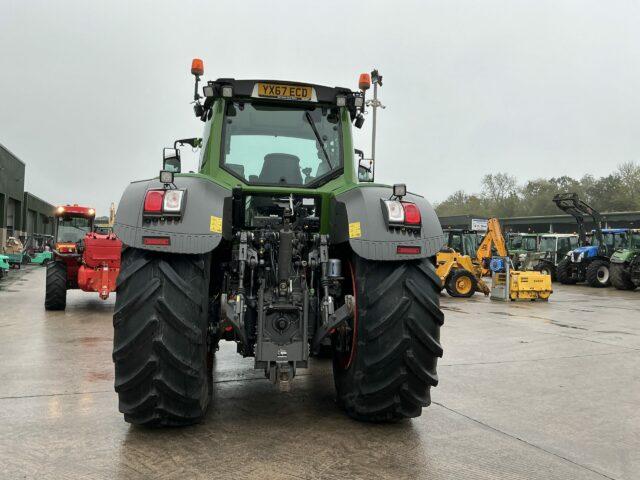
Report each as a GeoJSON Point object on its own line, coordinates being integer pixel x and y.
{"type": "Point", "coordinates": [612, 239]}
{"type": "Point", "coordinates": [518, 243]}
{"type": "Point", "coordinates": [73, 222]}
{"type": "Point", "coordinates": [625, 262]}
{"type": "Point", "coordinates": [463, 241]}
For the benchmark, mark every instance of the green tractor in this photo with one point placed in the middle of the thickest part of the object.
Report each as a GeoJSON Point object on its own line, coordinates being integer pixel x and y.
{"type": "Point", "coordinates": [281, 243]}
{"type": "Point", "coordinates": [519, 245]}
{"type": "Point", "coordinates": [625, 263]}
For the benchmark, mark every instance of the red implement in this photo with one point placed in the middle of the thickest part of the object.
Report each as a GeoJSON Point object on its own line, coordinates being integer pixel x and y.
{"type": "Point", "coordinates": [100, 264]}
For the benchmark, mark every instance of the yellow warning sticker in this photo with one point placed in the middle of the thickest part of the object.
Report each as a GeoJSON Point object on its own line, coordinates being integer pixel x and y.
{"type": "Point", "coordinates": [354, 230]}
{"type": "Point", "coordinates": [216, 224]}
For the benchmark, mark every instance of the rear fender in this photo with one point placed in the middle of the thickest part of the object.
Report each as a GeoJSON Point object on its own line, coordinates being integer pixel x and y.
{"type": "Point", "coordinates": [357, 218]}
{"type": "Point", "coordinates": [200, 228]}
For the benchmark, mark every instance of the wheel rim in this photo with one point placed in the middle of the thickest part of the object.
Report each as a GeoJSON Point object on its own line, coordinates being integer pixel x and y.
{"type": "Point", "coordinates": [463, 285]}
{"type": "Point", "coordinates": [545, 271]}
{"type": "Point", "coordinates": [603, 274]}
{"type": "Point", "coordinates": [347, 338]}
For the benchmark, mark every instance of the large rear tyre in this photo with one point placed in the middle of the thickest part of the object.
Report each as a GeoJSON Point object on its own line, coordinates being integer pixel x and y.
{"type": "Point", "coordinates": [564, 272]}
{"type": "Point", "coordinates": [160, 338]}
{"type": "Point", "coordinates": [461, 283]}
{"type": "Point", "coordinates": [598, 274]}
{"type": "Point", "coordinates": [55, 297]}
{"type": "Point", "coordinates": [620, 277]}
{"type": "Point", "coordinates": [385, 361]}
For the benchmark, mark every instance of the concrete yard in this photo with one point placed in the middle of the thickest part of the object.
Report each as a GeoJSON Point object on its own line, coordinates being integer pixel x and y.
{"type": "Point", "coordinates": [527, 391]}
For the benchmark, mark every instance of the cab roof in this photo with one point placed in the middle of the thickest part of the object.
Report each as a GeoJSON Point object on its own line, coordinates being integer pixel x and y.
{"type": "Point", "coordinates": [248, 88]}
{"type": "Point", "coordinates": [559, 235]}
{"type": "Point", "coordinates": [613, 230]}
{"type": "Point", "coordinates": [78, 210]}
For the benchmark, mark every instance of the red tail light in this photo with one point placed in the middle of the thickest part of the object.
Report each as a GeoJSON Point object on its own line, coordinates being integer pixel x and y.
{"type": "Point", "coordinates": [163, 241]}
{"type": "Point", "coordinates": [411, 214]}
{"type": "Point", "coordinates": [153, 201]}
{"type": "Point", "coordinates": [408, 250]}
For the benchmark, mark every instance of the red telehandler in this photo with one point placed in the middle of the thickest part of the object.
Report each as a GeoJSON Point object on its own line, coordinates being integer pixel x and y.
{"type": "Point", "coordinates": [82, 258]}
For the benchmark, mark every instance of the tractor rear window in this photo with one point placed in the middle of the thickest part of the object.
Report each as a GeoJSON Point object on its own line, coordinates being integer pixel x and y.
{"type": "Point", "coordinates": [548, 244]}
{"type": "Point", "coordinates": [608, 240]}
{"type": "Point", "coordinates": [274, 145]}
{"type": "Point", "coordinates": [73, 229]}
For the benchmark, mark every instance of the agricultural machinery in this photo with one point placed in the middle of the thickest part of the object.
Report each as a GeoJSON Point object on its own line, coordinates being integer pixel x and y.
{"type": "Point", "coordinates": [38, 249]}
{"type": "Point", "coordinates": [552, 248]}
{"type": "Point", "coordinates": [590, 260]}
{"type": "Point", "coordinates": [4, 265]}
{"type": "Point", "coordinates": [15, 252]}
{"type": "Point", "coordinates": [82, 258]}
{"type": "Point", "coordinates": [280, 243]}
{"type": "Point", "coordinates": [460, 274]}
{"type": "Point", "coordinates": [625, 263]}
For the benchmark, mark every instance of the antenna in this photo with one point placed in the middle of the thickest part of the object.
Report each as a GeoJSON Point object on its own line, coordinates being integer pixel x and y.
{"type": "Point", "coordinates": [374, 103]}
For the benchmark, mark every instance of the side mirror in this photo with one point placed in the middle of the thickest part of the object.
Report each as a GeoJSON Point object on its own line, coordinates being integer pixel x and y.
{"type": "Point", "coordinates": [192, 142]}
{"type": "Point", "coordinates": [365, 167]}
{"type": "Point", "coordinates": [171, 160]}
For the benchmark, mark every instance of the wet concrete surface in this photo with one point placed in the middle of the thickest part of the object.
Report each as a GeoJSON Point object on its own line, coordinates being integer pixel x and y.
{"type": "Point", "coordinates": [527, 391]}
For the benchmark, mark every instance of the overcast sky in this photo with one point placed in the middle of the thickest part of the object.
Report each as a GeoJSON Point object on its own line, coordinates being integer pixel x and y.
{"type": "Point", "coordinates": [92, 91]}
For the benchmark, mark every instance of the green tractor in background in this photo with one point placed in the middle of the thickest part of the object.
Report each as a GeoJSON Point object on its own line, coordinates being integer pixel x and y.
{"type": "Point", "coordinates": [282, 244]}
{"type": "Point", "coordinates": [519, 245]}
{"type": "Point", "coordinates": [625, 263]}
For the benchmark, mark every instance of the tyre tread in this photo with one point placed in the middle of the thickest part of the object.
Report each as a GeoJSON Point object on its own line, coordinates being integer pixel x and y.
{"type": "Point", "coordinates": [398, 341]}
{"type": "Point", "coordinates": [160, 346]}
{"type": "Point", "coordinates": [56, 286]}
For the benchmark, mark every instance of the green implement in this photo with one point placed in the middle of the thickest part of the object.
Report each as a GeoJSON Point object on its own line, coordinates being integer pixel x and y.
{"type": "Point", "coordinates": [41, 258]}
{"type": "Point", "coordinates": [4, 265]}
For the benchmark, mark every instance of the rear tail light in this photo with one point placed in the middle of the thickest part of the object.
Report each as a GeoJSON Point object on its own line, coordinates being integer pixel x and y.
{"type": "Point", "coordinates": [173, 201]}
{"type": "Point", "coordinates": [408, 250]}
{"type": "Point", "coordinates": [394, 211]}
{"type": "Point", "coordinates": [164, 201]}
{"type": "Point", "coordinates": [411, 214]}
{"type": "Point", "coordinates": [153, 201]}
{"type": "Point", "coordinates": [401, 214]}
{"type": "Point", "coordinates": [163, 241]}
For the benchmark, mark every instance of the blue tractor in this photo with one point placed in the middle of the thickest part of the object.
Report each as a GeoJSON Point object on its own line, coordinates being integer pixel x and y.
{"type": "Point", "coordinates": [590, 261]}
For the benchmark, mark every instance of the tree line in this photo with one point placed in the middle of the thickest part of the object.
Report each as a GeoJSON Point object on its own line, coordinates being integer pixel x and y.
{"type": "Point", "coordinates": [502, 196]}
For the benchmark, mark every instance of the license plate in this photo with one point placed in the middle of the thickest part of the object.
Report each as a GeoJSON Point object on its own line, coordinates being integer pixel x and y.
{"type": "Point", "coordinates": [287, 92]}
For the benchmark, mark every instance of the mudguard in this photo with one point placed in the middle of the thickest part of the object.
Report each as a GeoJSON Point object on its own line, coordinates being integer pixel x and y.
{"type": "Point", "coordinates": [199, 230]}
{"type": "Point", "coordinates": [357, 217]}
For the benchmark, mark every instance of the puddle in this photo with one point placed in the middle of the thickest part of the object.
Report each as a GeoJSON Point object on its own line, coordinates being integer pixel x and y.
{"type": "Point", "coordinates": [99, 376]}
{"type": "Point", "coordinates": [506, 314]}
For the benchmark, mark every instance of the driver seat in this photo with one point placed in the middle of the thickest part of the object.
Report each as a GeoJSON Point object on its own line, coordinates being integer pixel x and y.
{"type": "Point", "coordinates": [281, 168]}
